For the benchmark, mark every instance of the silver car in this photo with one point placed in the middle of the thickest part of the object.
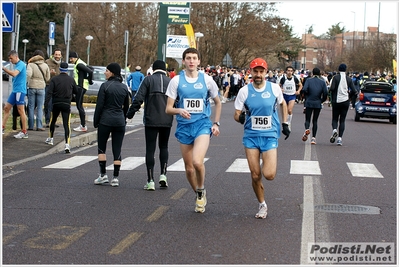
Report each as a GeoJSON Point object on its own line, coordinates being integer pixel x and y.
{"type": "Point", "coordinates": [98, 78]}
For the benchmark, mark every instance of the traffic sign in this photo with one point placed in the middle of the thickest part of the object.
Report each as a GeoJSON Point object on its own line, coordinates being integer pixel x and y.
{"type": "Point", "coordinates": [51, 33]}
{"type": "Point", "coordinates": [8, 16]}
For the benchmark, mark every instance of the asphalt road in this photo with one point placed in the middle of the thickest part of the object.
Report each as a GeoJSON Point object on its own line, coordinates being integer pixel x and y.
{"type": "Point", "coordinates": [56, 215]}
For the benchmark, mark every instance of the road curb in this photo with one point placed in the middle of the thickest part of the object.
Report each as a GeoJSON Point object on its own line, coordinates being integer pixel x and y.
{"type": "Point", "coordinates": [75, 142]}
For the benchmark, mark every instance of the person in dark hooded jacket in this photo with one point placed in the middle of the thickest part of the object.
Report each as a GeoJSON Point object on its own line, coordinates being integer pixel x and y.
{"type": "Point", "coordinates": [156, 122]}
{"type": "Point", "coordinates": [110, 117]}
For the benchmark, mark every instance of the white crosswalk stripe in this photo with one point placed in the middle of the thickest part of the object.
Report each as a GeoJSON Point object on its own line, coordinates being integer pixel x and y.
{"type": "Point", "coordinates": [305, 167]}
{"type": "Point", "coordinates": [179, 166]}
{"type": "Point", "coordinates": [364, 170]}
{"type": "Point", "coordinates": [129, 163]}
{"type": "Point", "coordinates": [71, 163]}
{"type": "Point", "coordinates": [240, 165]}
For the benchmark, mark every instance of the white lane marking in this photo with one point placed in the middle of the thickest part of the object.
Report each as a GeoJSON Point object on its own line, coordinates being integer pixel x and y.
{"type": "Point", "coordinates": [308, 235]}
{"type": "Point", "coordinates": [364, 170]}
{"type": "Point", "coordinates": [308, 226]}
{"type": "Point", "coordinates": [129, 163]}
{"type": "Point", "coordinates": [178, 166]}
{"type": "Point", "coordinates": [240, 165]}
{"type": "Point", "coordinates": [71, 163]}
{"type": "Point", "coordinates": [305, 167]}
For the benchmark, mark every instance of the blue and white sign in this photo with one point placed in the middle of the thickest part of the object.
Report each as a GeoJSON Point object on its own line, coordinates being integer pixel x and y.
{"type": "Point", "coordinates": [175, 45]}
{"type": "Point", "coordinates": [8, 16]}
{"type": "Point", "coordinates": [51, 33]}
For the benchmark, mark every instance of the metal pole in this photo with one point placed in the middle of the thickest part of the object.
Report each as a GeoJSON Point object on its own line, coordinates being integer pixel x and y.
{"type": "Point", "coordinates": [354, 27]}
{"type": "Point", "coordinates": [25, 52]}
{"type": "Point", "coordinates": [126, 53]}
{"type": "Point", "coordinates": [88, 53]}
{"type": "Point", "coordinates": [304, 64]}
{"type": "Point", "coordinates": [364, 24]}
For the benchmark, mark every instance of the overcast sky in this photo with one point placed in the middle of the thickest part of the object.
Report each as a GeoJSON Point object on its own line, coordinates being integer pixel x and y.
{"type": "Point", "coordinates": [324, 14]}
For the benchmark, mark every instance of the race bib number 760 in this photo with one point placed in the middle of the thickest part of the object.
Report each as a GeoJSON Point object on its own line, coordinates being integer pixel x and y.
{"type": "Point", "coordinates": [194, 105]}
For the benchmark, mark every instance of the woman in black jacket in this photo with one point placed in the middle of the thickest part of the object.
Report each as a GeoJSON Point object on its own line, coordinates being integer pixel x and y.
{"type": "Point", "coordinates": [110, 117]}
{"type": "Point", "coordinates": [156, 121]}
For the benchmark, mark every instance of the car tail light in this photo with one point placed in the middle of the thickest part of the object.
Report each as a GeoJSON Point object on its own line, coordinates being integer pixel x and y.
{"type": "Point", "coordinates": [394, 98]}
{"type": "Point", "coordinates": [361, 96]}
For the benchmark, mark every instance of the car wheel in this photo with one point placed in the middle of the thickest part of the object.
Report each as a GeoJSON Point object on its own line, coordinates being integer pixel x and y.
{"type": "Point", "coordinates": [393, 120]}
{"type": "Point", "coordinates": [357, 116]}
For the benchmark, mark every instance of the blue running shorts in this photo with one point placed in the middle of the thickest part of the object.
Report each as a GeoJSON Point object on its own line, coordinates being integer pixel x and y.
{"type": "Point", "coordinates": [260, 142]}
{"type": "Point", "coordinates": [187, 133]}
{"type": "Point", "coordinates": [289, 98]}
{"type": "Point", "coordinates": [16, 98]}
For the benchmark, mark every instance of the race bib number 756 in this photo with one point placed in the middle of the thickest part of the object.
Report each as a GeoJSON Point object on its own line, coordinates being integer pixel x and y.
{"type": "Point", "coordinates": [261, 122]}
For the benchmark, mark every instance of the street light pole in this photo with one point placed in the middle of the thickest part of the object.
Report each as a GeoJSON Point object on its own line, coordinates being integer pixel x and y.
{"type": "Point", "coordinates": [354, 27]}
{"type": "Point", "coordinates": [304, 63]}
{"type": "Point", "coordinates": [25, 41]}
{"type": "Point", "coordinates": [88, 38]}
{"type": "Point", "coordinates": [197, 36]}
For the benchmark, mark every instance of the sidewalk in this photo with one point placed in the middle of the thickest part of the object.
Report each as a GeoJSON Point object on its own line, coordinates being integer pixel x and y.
{"type": "Point", "coordinates": [18, 151]}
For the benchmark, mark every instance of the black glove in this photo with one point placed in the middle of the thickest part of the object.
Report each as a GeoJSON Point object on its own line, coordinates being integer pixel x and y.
{"type": "Point", "coordinates": [286, 130]}
{"type": "Point", "coordinates": [91, 82]}
{"type": "Point", "coordinates": [130, 115]}
{"type": "Point", "coordinates": [242, 117]}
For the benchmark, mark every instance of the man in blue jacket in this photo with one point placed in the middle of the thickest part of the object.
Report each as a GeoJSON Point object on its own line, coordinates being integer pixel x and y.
{"type": "Point", "coordinates": [134, 80]}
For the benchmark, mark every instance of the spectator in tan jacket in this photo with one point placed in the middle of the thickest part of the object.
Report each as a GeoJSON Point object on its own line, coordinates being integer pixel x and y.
{"type": "Point", "coordinates": [38, 73]}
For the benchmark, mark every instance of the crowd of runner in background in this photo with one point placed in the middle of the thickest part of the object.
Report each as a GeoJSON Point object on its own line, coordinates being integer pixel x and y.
{"type": "Point", "coordinates": [231, 79]}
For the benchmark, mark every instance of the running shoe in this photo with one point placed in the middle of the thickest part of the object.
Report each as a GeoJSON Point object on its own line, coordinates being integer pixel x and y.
{"type": "Point", "coordinates": [163, 181]}
{"type": "Point", "coordinates": [313, 141]}
{"type": "Point", "coordinates": [80, 128]}
{"type": "Point", "coordinates": [115, 182]}
{"type": "Point", "coordinates": [150, 186]}
{"type": "Point", "coordinates": [333, 136]}
{"type": "Point", "coordinates": [305, 135]}
{"type": "Point", "coordinates": [49, 141]}
{"type": "Point", "coordinates": [200, 201]}
{"type": "Point", "coordinates": [339, 141]}
{"type": "Point", "coordinates": [101, 179]}
{"type": "Point", "coordinates": [67, 148]}
{"type": "Point", "coordinates": [21, 135]}
{"type": "Point", "coordinates": [262, 213]}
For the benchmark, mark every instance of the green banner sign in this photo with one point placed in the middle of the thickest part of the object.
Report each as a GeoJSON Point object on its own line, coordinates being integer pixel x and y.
{"type": "Point", "coordinates": [177, 12]}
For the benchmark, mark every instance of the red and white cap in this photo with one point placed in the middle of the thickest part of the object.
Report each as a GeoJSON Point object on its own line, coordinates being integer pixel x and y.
{"type": "Point", "coordinates": [258, 62]}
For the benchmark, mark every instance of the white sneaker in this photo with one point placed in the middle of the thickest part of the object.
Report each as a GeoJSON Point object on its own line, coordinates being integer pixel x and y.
{"type": "Point", "coordinates": [262, 213]}
{"type": "Point", "coordinates": [149, 186]}
{"type": "Point", "coordinates": [101, 180]}
{"type": "Point", "coordinates": [49, 141]}
{"type": "Point", "coordinates": [115, 182]}
{"type": "Point", "coordinates": [200, 201]}
{"type": "Point", "coordinates": [67, 148]}
{"type": "Point", "coordinates": [163, 181]}
{"type": "Point", "coordinates": [21, 135]}
{"type": "Point", "coordinates": [80, 129]}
